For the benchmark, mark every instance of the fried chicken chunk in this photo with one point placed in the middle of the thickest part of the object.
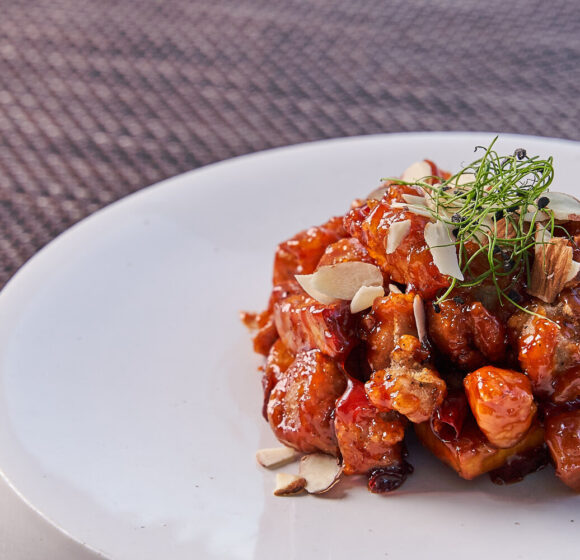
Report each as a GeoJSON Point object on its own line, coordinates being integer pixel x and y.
{"type": "Point", "coordinates": [406, 386]}
{"type": "Point", "coordinates": [367, 438]}
{"type": "Point", "coordinates": [471, 454]}
{"type": "Point", "coordinates": [302, 403]}
{"type": "Point", "coordinates": [391, 318]}
{"type": "Point", "coordinates": [278, 361]}
{"type": "Point", "coordinates": [467, 333]}
{"type": "Point", "coordinates": [548, 348]}
{"type": "Point", "coordinates": [411, 263]}
{"type": "Point", "coordinates": [563, 439]}
{"type": "Point", "coordinates": [301, 253]}
{"type": "Point", "coordinates": [502, 402]}
{"type": "Point", "coordinates": [305, 324]}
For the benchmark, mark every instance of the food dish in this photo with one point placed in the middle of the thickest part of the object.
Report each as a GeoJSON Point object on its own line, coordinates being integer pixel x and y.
{"type": "Point", "coordinates": [446, 302]}
{"type": "Point", "coordinates": [109, 428]}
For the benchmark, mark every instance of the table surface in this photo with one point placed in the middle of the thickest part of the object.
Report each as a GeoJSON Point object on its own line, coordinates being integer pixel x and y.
{"type": "Point", "coordinates": [100, 99]}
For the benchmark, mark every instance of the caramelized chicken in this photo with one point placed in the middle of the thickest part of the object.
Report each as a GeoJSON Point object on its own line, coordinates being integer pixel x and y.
{"type": "Point", "coordinates": [391, 318]}
{"type": "Point", "coordinates": [406, 386]}
{"type": "Point", "coordinates": [471, 454]}
{"type": "Point", "coordinates": [367, 438]}
{"type": "Point", "coordinates": [305, 324]}
{"type": "Point", "coordinates": [467, 333]}
{"type": "Point", "coordinates": [301, 253]}
{"type": "Point", "coordinates": [345, 250]}
{"type": "Point", "coordinates": [302, 403]}
{"type": "Point", "coordinates": [502, 402]}
{"type": "Point", "coordinates": [548, 347]}
{"type": "Point", "coordinates": [563, 438]}
{"type": "Point", "coordinates": [278, 361]}
{"type": "Point", "coordinates": [411, 263]}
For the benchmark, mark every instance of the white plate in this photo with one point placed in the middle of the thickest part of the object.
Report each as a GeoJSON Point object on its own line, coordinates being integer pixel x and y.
{"type": "Point", "coordinates": [130, 402]}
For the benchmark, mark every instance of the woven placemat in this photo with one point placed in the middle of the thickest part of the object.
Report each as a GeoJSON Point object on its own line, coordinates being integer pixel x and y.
{"type": "Point", "coordinates": [101, 98]}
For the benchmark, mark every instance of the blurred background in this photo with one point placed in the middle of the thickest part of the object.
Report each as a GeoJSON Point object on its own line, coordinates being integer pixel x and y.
{"type": "Point", "coordinates": [99, 98]}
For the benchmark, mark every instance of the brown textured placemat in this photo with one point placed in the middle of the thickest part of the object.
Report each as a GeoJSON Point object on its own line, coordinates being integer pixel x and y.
{"type": "Point", "coordinates": [99, 98]}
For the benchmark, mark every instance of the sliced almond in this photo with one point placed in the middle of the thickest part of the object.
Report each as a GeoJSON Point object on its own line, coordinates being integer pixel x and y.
{"type": "Point", "coordinates": [442, 246]}
{"type": "Point", "coordinates": [343, 280]}
{"type": "Point", "coordinates": [465, 179]}
{"type": "Point", "coordinates": [365, 297]}
{"type": "Point", "coordinates": [289, 484]}
{"type": "Point", "coordinates": [573, 272]}
{"type": "Point", "coordinates": [419, 210]}
{"type": "Point", "coordinates": [417, 171]}
{"type": "Point", "coordinates": [320, 471]}
{"type": "Point", "coordinates": [397, 232]}
{"type": "Point", "coordinates": [419, 312]}
{"type": "Point", "coordinates": [414, 199]}
{"type": "Point", "coordinates": [551, 269]}
{"type": "Point", "coordinates": [307, 283]}
{"type": "Point", "coordinates": [565, 206]}
{"type": "Point", "coordinates": [394, 289]}
{"type": "Point", "coordinates": [274, 457]}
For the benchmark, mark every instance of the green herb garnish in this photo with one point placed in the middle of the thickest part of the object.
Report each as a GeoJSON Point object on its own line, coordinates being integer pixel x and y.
{"type": "Point", "coordinates": [492, 206]}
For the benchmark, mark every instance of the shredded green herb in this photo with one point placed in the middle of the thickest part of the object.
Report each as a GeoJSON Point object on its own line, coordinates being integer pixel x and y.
{"type": "Point", "coordinates": [493, 194]}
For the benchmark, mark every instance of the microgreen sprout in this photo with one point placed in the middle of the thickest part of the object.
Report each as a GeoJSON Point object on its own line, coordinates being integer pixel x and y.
{"type": "Point", "coordinates": [492, 206]}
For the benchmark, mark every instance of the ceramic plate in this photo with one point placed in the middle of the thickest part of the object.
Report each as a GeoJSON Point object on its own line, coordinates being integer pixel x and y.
{"type": "Point", "coordinates": [130, 401]}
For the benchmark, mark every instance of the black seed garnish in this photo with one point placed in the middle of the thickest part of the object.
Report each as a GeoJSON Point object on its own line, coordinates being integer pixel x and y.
{"type": "Point", "coordinates": [455, 232]}
{"type": "Point", "coordinates": [520, 153]}
{"type": "Point", "coordinates": [436, 307]}
{"type": "Point", "coordinates": [456, 218]}
{"type": "Point", "coordinates": [543, 201]}
{"type": "Point", "coordinates": [499, 215]}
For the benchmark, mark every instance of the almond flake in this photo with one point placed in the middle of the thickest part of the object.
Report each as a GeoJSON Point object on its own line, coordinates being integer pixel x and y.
{"type": "Point", "coordinates": [414, 199]}
{"type": "Point", "coordinates": [320, 471]}
{"type": "Point", "coordinates": [274, 457]}
{"type": "Point", "coordinates": [289, 484]}
{"type": "Point", "coordinates": [442, 246]}
{"type": "Point", "coordinates": [394, 289]}
{"type": "Point", "coordinates": [343, 280]}
{"type": "Point", "coordinates": [573, 272]}
{"type": "Point", "coordinates": [365, 297]}
{"type": "Point", "coordinates": [419, 312]}
{"type": "Point", "coordinates": [551, 269]}
{"type": "Point", "coordinates": [397, 232]}
{"type": "Point", "coordinates": [417, 171]}
{"type": "Point", "coordinates": [419, 210]}
{"type": "Point", "coordinates": [565, 207]}
{"type": "Point", "coordinates": [465, 179]}
{"type": "Point", "coordinates": [307, 283]}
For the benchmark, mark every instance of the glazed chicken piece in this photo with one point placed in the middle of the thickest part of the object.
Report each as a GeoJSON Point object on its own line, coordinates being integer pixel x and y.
{"type": "Point", "coordinates": [390, 318]}
{"type": "Point", "coordinates": [502, 402]}
{"type": "Point", "coordinates": [301, 253]}
{"type": "Point", "coordinates": [345, 250]}
{"type": "Point", "coordinates": [471, 454]}
{"type": "Point", "coordinates": [548, 349]}
{"type": "Point", "coordinates": [406, 386]}
{"type": "Point", "coordinates": [563, 439]}
{"type": "Point", "coordinates": [467, 333]}
{"type": "Point", "coordinates": [367, 438]}
{"type": "Point", "coordinates": [305, 324]}
{"type": "Point", "coordinates": [302, 403]}
{"type": "Point", "coordinates": [411, 262]}
{"type": "Point", "coordinates": [278, 361]}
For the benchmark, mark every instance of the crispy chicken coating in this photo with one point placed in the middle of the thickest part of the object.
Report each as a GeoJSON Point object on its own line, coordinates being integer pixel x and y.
{"type": "Point", "coordinates": [305, 324]}
{"type": "Point", "coordinates": [502, 402]}
{"type": "Point", "coordinates": [367, 438]}
{"type": "Point", "coordinates": [302, 403]}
